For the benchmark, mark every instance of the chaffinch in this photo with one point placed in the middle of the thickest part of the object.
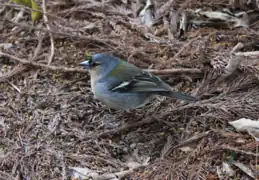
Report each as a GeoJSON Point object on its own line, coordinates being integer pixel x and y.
{"type": "Point", "coordinates": [123, 86]}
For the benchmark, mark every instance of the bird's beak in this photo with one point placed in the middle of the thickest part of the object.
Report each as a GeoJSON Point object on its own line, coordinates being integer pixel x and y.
{"type": "Point", "coordinates": [85, 64]}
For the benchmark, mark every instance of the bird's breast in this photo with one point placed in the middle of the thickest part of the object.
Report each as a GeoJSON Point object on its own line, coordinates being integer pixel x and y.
{"type": "Point", "coordinates": [94, 80]}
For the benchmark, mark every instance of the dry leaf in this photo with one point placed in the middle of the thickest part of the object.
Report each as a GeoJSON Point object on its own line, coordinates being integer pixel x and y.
{"type": "Point", "coordinates": [243, 123]}
{"type": "Point", "coordinates": [227, 169]}
{"type": "Point", "coordinates": [82, 173]}
{"type": "Point", "coordinates": [244, 168]}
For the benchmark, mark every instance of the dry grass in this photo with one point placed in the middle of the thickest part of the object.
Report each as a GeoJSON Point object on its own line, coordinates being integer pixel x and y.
{"type": "Point", "coordinates": [49, 120]}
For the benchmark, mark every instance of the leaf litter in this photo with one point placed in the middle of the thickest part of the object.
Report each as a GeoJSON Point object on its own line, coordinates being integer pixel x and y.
{"type": "Point", "coordinates": [51, 127]}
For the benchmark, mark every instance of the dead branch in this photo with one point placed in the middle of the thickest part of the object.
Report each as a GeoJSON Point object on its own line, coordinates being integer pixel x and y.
{"type": "Point", "coordinates": [46, 21]}
{"type": "Point", "coordinates": [188, 141]}
{"type": "Point", "coordinates": [229, 148]}
{"type": "Point", "coordinates": [6, 176]}
{"type": "Point", "coordinates": [15, 71]}
{"type": "Point", "coordinates": [164, 8]}
{"type": "Point", "coordinates": [39, 65]}
{"type": "Point", "coordinates": [248, 54]}
{"type": "Point", "coordinates": [38, 48]}
{"type": "Point", "coordinates": [184, 48]}
{"type": "Point", "coordinates": [233, 62]}
{"type": "Point", "coordinates": [175, 71]}
{"type": "Point", "coordinates": [237, 47]}
{"type": "Point", "coordinates": [126, 127]}
{"type": "Point", "coordinates": [118, 175]}
{"type": "Point", "coordinates": [21, 68]}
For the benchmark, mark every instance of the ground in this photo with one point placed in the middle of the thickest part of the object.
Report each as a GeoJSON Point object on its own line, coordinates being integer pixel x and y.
{"type": "Point", "coordinates": [50, 122]}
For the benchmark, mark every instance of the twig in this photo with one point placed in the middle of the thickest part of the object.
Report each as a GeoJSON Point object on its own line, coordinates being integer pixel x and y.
{"type": "Point", "coordinates": [237, 47]}
{"type": "Point", "coordinates": [20, 68]}
{"type": "Point", "coordinates": [126, 127]}
{"type": "Point", "coordinates": [19, 15]}
{"type": "Point", "coordinates": [115, 163]}
{"type": "Point", "coordinates": [117, 175]}
{"type": "Point", "coordinates": [39, 65]}
{"type": "Point", "coordinates": [14, 86]}
{"type": "Point", "coordinates": [184, 48]}
{"type": "Point", "coordinates": [244, 168]}
{"type": "Point", "coordinates": [232, 65]}
{"type": "Point", "coordinates": [188, 141]}
{"type": "Point", "coordinates": [175, 71]}
{"type": "Point", "coordinates": [38, 48]}
{"type": "Point", "coordinates": [233, 62]}
{"type": "Point", "coordinates": [248, 53]}
{"type": "Point", "coordinates": [46, 21]}
{"type": "Point", "coordinates": [29, 9]}
{"type": "Point", "coordinates": [106, 41]}
{"type": "Point", "coordinates": [16, 70]}
{"type": "Point", "coordinates": [238, 150]}
{"type": "Point", "coordinates": [164, 8]}
{"type": "Point", "coordinates": [6, 176]}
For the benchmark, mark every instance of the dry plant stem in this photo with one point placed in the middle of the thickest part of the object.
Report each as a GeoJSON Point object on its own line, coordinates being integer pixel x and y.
{"type": "Point", "coordinates": [238, 150]}
{"type": "Point", "coordinates": [52, 47]}
{"type": "Point", "coordinates": [19, 16]}
{"type": "Point", "coordinates": [15, 71]}
{"type": "Point", "coordinates": [39, 65]}
{"type": "Point", "coordinates": [5, 176]}
{"type": "Point", "coordinates": [21, 68]}
{"type": "Point", "coordinates": [175, 71]}
{"type": "Point", "coordinates": [233, 61]}
{"type": "Point", "coordinates": [14, 86]}
{"type": "Point", "coordinates": [117, 175]}
{"type": "Point", "coordinates": [107, 42]}
{"type": "Point", "coordinates": [127, 127]}
{"type": "Point", "coordinates": [184, 47]}
{"type": "Point", "coordinates": [164, 8]}
{"type": "Point", "coordinates": [65, 69]}
{"type": "Point", "coordinates": [38, 48]}
{"type": "Point", "coordinates": [248, 54]}
{"type": "Point", "coordinates": [237, 47]}
{"type": "Point", "coordinates": [188, 141]}
{"type": "Point", "coordinates": [28, 8]}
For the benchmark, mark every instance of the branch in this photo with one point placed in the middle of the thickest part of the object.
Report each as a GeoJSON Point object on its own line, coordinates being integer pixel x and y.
{"type": "Point", "coordinates": [39, 65]}
{"type": "Point", "coordinates": [16, 70]}
{"type": "Point", "coordinates": [184, 48]}
{"type": "Point", "coordinates": [233, 62]}
{"type": "Point", "coordinates": [126, 127]}
{"type": "Point", "coordinates": [174, 71]}
{"type": "Point", "coordinates": [46, 21]}
{"type": "Point", "coordinates": [248, 53]}
{"type": "Point", "coordinates": [20, 68]}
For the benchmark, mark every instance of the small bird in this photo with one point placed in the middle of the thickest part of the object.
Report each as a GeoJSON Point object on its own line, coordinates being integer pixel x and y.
{"type": "Point", "coordinates": [123, 86]}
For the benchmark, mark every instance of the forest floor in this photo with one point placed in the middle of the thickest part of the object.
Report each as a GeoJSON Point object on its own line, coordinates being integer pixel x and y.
{"type": "Point", "coordinates": [51, 127]}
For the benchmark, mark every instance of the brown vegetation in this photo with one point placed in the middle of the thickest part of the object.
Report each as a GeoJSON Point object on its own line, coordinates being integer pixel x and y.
{"type": "Point", "coordinates": [50, 122]}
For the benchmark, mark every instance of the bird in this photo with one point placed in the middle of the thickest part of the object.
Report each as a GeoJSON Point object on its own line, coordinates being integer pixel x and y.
{"type": "Point", "coordinates": [123, 86]}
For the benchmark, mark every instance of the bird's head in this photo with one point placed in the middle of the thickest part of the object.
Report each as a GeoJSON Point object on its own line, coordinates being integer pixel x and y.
{"type": "Point", "coordinates": [99, 63]}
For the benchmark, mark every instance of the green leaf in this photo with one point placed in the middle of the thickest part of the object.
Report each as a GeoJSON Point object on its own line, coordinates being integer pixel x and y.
{"type": "Point", "coordinates": [23, 2]}
{"type": "Point", "coordinates": [35, 15]}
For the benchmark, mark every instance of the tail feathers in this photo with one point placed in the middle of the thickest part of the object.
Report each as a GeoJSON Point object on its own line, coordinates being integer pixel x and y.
{"type": "Point", "coordinates": [179, 95]}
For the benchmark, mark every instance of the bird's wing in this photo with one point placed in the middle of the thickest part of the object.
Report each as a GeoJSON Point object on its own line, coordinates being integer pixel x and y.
{"type": "Point", "coordinates": [133, 79]}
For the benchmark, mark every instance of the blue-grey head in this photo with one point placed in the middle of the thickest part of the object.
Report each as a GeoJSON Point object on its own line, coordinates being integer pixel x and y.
{"type": "Point", "coordinates": [100, 64]}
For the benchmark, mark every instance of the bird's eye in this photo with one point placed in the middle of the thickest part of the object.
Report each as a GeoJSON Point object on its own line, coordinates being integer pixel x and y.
{"type": "Point", "coordinates": [92, 63]}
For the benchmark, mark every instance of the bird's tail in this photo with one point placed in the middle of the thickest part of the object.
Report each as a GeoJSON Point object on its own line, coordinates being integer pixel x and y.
{"type": "Point", "coordinates": [178, 95]}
